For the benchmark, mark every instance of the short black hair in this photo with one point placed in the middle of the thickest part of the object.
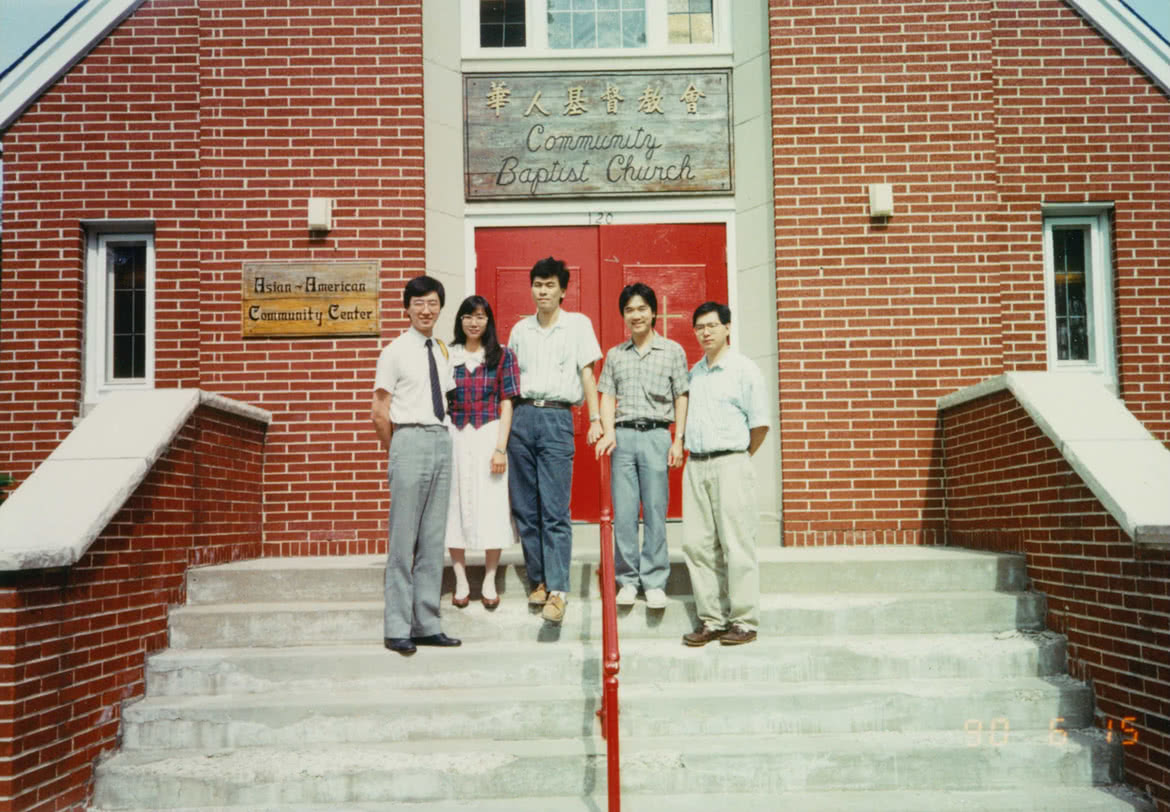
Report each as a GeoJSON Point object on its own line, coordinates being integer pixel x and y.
{"type": "Point", "coordinates": [421, 286]}
{"type": "Point", "coordinates": [549, 267]}
{"type": "Point", "coordinates": [647, 294]}
{"type": "Point", "coordinates": [722, 310]}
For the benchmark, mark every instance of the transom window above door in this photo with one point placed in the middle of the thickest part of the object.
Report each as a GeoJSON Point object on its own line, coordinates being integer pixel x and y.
{"type": "Point", "coordinates": [545, 28]}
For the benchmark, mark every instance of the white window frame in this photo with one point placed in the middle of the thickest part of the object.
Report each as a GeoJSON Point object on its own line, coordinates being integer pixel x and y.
{"type": "Point", "coordinates": [536, 31]}
{"type": "Point", "coordinates": [98, 350]}
{"type": "Point", "coordinates": [1098, 291]}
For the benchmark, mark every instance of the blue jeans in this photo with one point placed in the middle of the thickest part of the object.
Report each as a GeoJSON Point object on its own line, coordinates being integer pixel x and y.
{"type": "Point", "coordinates": [540, 479]}
{"type": "Point", "coordinates": [639, 477]}
{"type": "Point", "coordinates": [420, 488]}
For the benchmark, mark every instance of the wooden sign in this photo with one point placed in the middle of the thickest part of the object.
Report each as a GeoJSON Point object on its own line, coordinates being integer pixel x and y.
{"type": "Point", "coordinates": [533, 135]}
{"type": "Point", "coordinates": [310, 299]}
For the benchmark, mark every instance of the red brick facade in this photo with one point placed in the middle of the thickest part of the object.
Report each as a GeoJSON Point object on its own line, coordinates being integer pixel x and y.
{"type": "Point", "coordinates": [217, 121]}
{"type": "Point", "coordinates": [1008, 489]}
{"type": "Point", "coordinates": [75, 640]}
{"type": "Point", "coordinates": [977, 113]}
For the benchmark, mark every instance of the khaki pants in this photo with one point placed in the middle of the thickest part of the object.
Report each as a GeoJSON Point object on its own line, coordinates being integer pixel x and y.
{"type": "Point", "coordinates": [720, 516]}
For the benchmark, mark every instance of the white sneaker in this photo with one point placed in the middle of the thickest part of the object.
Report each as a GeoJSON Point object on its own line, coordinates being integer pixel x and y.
{"type": "Point", "coordinates": [655, 599]}
{"type": "Point", "coordinates": [626, 595]}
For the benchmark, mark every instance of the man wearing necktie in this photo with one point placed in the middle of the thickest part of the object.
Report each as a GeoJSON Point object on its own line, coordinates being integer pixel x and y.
{"type": "Point", "coordinates": [409, 414]}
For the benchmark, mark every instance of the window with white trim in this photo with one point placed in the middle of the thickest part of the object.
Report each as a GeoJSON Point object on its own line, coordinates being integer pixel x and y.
{"type": "Point", "coordinates": [1078, 293]}
{"type": "Point", "coordinates": [119, 312]}
{"type": "Point", "coordinates": [544, 28]}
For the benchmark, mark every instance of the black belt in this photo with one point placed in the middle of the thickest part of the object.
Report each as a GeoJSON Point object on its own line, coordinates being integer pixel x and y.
{"type": "Point", "coordinates": [644, 425]}
{"type": "Point", "coordinates": [710, 455]}
{"type": "Point", "coordinates": [545, 404]}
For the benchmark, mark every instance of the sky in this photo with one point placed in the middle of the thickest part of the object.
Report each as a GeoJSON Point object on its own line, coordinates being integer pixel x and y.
{"type": "Point", "coordinates": [23, 22]}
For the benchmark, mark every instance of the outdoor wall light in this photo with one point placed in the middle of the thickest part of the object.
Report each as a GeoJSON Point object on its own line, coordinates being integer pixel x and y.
{"type": "Point", "coordinates": [881, 199]}
{"type": "Point", "coordinates": [320, 214]}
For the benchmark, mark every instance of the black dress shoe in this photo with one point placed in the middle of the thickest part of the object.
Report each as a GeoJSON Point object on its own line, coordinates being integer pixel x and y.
{"type": "Point", "coordinates": [439, 639]}
{"type": "Point", "coordinates": [403, 645]}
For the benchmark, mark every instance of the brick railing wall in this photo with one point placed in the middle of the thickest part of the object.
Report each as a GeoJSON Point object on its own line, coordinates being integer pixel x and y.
{"type": "Point", "coordinates": [1009, 489]}
{"type": "Point", "coordinates": [74, 641]}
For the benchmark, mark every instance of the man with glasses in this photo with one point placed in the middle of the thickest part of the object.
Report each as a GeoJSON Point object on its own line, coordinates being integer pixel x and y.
{"type": "Point", "coordinates": [727, 421]}
{"type": "Point", "coordinates": [410, 417]}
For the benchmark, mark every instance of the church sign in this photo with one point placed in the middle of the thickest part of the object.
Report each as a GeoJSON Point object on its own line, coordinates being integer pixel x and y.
{"type": "Point", "coordinates": [310, 299]}
{"type": "Point", "coordinates": [535, 135]}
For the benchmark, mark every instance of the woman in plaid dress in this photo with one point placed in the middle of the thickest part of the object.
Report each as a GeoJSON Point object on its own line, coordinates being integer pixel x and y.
{"type": "Point", "coordinates": [487, 377]}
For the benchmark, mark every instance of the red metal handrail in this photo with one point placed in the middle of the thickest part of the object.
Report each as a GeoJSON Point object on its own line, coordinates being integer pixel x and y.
{"type": "Point", "coordinates": [608, 712]}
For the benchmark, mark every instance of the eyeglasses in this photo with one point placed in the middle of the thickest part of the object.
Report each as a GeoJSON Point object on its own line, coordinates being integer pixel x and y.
{"type": "Point", "coordinates": [704, 328]}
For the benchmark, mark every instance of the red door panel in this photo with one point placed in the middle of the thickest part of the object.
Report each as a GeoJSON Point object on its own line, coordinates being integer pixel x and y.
{"type": "Point", "coordinates": [504, 257]}
{"type": "Point", "coordinates": [685, 264]}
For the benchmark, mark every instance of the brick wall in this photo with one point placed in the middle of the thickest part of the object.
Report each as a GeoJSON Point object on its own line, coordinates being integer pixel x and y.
{"type": "Point", "coordinates": [116, 138]}
{"type": "Point", "coordinates": [977, 113]}
{"type": "Point", "coordinates": [218, 120]}
{"type": "Point", "coordinates": [307, 100]}
{"type": "Point", "coordinates": [1009, 489]}
{"type": "Point", "coordinates": [73, 642]}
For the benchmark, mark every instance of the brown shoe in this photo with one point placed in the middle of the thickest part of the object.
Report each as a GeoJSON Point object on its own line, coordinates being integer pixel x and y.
{"type": "Point", "coordinates": [702, 635]}
{"type": "Point", "coordinates": [554, 610]}
{"type": "Point", "coordinates": [538, 596]}
{"type": "Point", "coordinates": [737, 636]}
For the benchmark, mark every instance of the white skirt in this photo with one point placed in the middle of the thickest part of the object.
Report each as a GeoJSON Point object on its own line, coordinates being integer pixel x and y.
{"type": "Point", "coordinates": [479, 516]}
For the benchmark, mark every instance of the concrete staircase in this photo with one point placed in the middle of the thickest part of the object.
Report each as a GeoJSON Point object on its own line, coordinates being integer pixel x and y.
{"type": "Point", "coordinates": [884, 679]}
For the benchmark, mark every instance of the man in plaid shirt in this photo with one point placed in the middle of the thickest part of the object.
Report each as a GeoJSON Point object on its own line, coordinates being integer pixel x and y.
{"type": "Point", "coordinates": [643, 390]}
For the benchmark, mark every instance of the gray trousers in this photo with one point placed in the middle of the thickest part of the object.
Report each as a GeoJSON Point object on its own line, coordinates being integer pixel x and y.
{"type": "Point", "coordinates": [420, 488]}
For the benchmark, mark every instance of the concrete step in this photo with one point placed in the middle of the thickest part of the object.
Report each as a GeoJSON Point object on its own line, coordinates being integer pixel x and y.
{"type": "Point", "coordinates": [534, 769]}
{"type": "Point", "coordinates": [293, 623]}
{"type": "Point", "coordinates": [1040, 799]}
{"type": "Point", "coordinates": [782, 569]}
{"type": "Point", "coordinates": [986, 711]}
{"type": "Point", "coordinates": [178, 672]}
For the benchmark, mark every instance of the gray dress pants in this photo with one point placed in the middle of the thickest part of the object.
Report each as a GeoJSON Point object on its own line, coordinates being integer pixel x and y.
{"type": "Point", "coordinates": [420, 488]}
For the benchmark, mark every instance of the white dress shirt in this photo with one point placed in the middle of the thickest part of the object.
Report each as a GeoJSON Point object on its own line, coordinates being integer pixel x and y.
{"type": "Point", "coordinates": [403, 371]}
{"type": "Point", "coordinates": [551, 359]}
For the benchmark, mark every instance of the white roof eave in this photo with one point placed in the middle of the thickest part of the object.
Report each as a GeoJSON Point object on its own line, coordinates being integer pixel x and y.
{"type": "Point", "coordinates": [60, 51]}
{"type": "Point", "coordinates": [1130, 34]}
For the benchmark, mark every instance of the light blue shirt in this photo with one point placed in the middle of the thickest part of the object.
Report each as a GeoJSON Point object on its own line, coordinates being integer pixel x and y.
{"type": "Point", "coordinates": [726, 402]}
{"type": "Point", "coordinates": [551, 360]}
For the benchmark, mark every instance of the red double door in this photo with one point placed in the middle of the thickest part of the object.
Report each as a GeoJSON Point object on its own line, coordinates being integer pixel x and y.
{"type": "Point", "coordinates": [685, 264]}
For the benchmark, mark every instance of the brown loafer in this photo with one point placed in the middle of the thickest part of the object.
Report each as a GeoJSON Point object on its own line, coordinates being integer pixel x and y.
{"type": "Point", "coordinates": [490, 603]}
{"type": "Point", "coordinates": [702, 635]}
{"type": "Point", "coordinates": [554, 610]}
{"type": "Point", "coordinates": [461, 603]}
{"type": "Point", "coordinates": [737, 636]}
{"type": "Point", "coordinates": [538, 596]}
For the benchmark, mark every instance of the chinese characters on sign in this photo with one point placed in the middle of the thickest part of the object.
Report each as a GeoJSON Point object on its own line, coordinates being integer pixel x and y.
{"type": "Point", "coordinates": [597, 134]}
{"type": "Point", "coordinates": [310, 299]}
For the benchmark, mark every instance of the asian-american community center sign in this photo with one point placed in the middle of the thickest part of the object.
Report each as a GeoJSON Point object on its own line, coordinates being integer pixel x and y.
{"type": "Point", "coordinates": [534, 135]}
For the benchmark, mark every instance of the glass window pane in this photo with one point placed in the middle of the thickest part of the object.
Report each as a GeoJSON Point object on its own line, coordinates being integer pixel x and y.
{"type": "Point", "coordinates": [514, 36]}
{"type": "Point", "coordinates": [584, 5]}
{"type": "Point", "coordinates": [501, 22]}
{"type": "Point", "coordinates": [491, 11]}
{"type": "Point", "coordinates": [123, 361]}
{"type": "Point", "coordinates": [633, 29]}
{"type": "Point", "coordinates": [1070, 294]}
{"type": "Point", "coordinates": [584, 31]}
{"type": "Point", "coordinates": [491, 36]}
{"type": "Point", "coordinates": [609, 29]}
{"type": "Point", "coordinates": [559, 5]}
{"type": "Point", "coordinates": [560, 30]}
